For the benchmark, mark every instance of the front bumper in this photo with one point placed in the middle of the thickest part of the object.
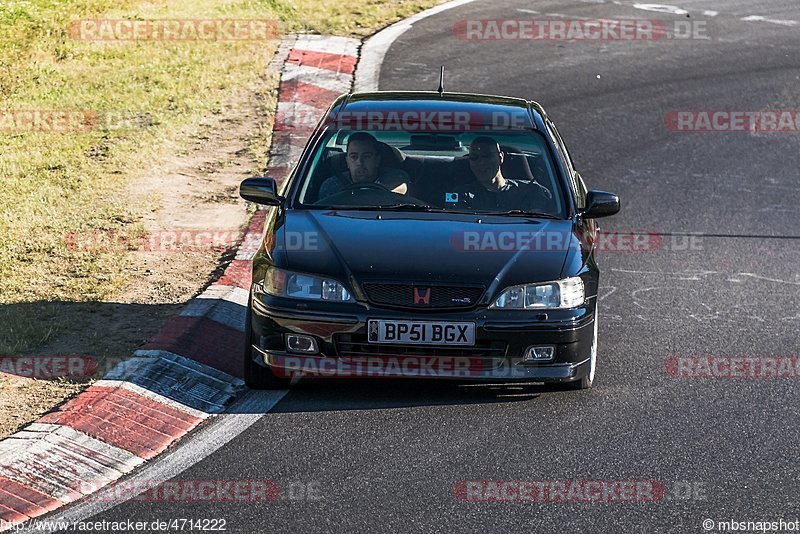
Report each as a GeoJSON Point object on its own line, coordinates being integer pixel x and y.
{"type": "Point", "coordinates": [501, 338]}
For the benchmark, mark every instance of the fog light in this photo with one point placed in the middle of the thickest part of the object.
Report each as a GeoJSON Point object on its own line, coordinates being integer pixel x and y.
{"type": "Point", "coordinates": [302, 344]}
{"type": "Point", "coordinates": [539, 354]}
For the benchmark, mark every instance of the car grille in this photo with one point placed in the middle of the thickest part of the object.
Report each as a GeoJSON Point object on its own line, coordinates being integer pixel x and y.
{"type": "Point", "coordinates": [403, 295]}
{"type": "Point", "coordinates": [356, 346]}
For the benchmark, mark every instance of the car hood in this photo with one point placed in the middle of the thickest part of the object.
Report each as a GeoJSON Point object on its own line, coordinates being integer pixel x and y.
{"type": "Point", "coordinates": [364, 246]}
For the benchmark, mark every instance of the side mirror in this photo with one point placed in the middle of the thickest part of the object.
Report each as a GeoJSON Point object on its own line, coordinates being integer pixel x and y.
{"type": "Point", "coordinates": [261, 191]}
{"type": "Point", "coordinates": [600, 204]}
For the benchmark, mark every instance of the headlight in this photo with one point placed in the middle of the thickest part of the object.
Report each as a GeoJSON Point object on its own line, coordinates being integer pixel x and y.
{"type": "Point", "coordinates": [280, 283]}
{"type": "Point", "coordinates": [567, 293]}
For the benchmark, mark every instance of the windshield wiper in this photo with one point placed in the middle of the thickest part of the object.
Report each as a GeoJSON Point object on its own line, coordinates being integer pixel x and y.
{"type": "Point", "coordinates": [426, 208]}
{"type": "Point", "coordinates": [409, 206]}
{"type": "Point", "coordinates": [523, 213]}
{"type": "Point", "coordinates": [387, 207]}
{"type": "Point", "coordinates": [344, 207]}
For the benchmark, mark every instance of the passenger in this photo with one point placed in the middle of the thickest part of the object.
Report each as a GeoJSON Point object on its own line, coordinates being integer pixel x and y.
{"type": "Point", "coordinates": [364, 165]}
{"type": "Point", "coordinates": [489, 190]}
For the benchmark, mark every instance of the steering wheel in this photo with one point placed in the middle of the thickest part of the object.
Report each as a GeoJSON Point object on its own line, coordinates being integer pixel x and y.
{"type": "Point", "coordinates": [364, 185]}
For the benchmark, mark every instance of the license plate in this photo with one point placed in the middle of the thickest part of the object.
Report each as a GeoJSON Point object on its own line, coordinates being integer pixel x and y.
{"type": "Point", "coordinates": [421, 332]}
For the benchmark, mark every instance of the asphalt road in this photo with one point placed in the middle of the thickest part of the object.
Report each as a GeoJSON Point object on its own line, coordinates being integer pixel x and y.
{"type": "Point", "coordinates": [386, 457]}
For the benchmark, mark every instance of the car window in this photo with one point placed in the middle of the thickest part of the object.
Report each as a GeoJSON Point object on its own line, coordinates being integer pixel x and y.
{"type": "Point", "coordinates": [506, 171]}
{"type": "Point", "coordinates": [576, 184]}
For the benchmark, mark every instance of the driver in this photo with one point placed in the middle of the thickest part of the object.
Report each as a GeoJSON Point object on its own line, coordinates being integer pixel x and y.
{"type": "Point", "coordinates": [364, 165]}
{"type": "Point", "coordinates": [490, 190]}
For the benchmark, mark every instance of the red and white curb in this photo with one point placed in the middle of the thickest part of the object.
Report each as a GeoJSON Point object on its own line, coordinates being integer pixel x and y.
{"type": "Point", "coordinates": [317, 70]}
{"type": "Point", "coordinates": [192, 368]}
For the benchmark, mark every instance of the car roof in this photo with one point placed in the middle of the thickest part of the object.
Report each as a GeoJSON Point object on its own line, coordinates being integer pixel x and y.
{"type": "Point", "coordinates": [520, 113]}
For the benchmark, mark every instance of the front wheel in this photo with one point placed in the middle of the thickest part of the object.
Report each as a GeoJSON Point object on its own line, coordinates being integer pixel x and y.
{"type": "Point", "coordinates": [257, 376]}
{"type": "Point", "coordinates": [587, 381]}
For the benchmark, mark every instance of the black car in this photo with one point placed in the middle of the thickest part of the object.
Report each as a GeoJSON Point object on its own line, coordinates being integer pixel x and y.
{"type": "Point", "coordinates": [427, 235]}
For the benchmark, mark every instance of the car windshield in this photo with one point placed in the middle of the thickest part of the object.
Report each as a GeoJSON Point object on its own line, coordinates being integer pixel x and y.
{"type": "Point", "coordinates": [507, 172]}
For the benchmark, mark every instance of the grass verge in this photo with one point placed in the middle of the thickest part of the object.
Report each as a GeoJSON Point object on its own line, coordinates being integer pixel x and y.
{"type": "Point", "coordinates": [148, 96]}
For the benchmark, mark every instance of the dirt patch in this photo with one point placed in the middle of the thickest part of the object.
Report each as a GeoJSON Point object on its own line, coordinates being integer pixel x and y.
{"type": "Point", "coordinates": [192, 216]}
{"type": "Point", "coordinates": [196, 209]}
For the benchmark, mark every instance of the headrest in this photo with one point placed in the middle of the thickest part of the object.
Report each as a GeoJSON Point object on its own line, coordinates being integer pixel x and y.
{"type": "Point", "coordinates": [515, 166]}
{"type": "Point", "coordinates": [390, 157]}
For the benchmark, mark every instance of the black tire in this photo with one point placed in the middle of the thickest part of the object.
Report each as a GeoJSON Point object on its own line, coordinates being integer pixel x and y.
{"type": "Point", "coordinates": [587, 381]}
{"type": "Point", "coordinates": [258, 376]}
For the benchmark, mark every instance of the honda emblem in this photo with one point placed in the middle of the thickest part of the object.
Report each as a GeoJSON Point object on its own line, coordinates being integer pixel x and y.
{"type": "Point", "coordinates": [422, 295]}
